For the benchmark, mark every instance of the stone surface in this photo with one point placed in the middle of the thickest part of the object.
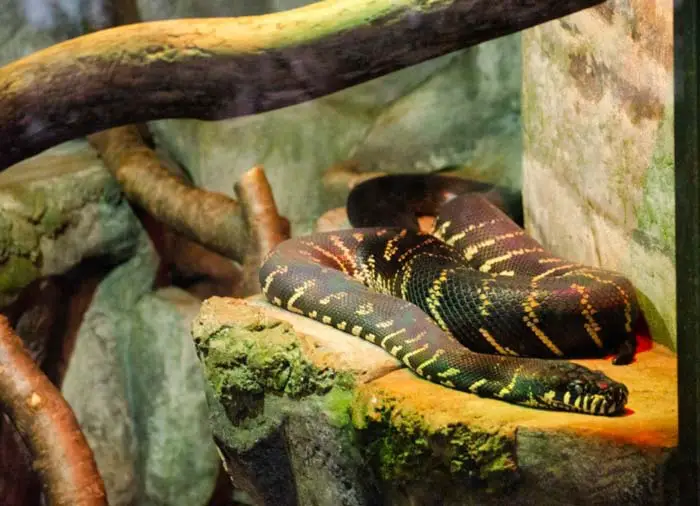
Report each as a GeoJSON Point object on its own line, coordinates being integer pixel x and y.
{"type": "Point", "coordinates": [290, 442]}
{"type": "Point", "coordinates": [598, 145]}
{"type": "Point", "coordinates": [419, 443]}
{"type": "Point", "coordinates": [56, 210]}
{"type": "Point", "coordinates": [137, 390]}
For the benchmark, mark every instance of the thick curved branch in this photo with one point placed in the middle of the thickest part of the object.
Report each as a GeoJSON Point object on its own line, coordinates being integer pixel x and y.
{"type": "Point", "coordinates": [61, 454]}
{"type": "Point", "coordinates": [243, 232]}
{"type": "Point", "coordinates": [226, 67]}
{"type": "Point", "coordinates": [212, 219]}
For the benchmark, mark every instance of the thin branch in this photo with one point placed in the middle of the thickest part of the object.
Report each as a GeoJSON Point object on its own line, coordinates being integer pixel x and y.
{"type": "Point", "coordinates": [212, 219]}
{"type": "Point", "coordinates": [226, 67]}
{"type": "Point", "coordinates": [61, 454]}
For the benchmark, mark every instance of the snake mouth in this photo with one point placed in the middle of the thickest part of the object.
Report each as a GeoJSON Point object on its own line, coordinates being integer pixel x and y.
{"type": "Point", "coordinates": [598, 397]}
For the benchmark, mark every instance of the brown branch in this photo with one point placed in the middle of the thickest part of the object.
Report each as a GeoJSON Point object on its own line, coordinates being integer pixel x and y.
{"type": "Point", "coordinates": [266, 227]}
{"type": "Point", "coordinates": [61, 454]}
{"type": "Point", "coordinates": [212, 219]}
{"type": "Point", "coordinates": [225, 67]}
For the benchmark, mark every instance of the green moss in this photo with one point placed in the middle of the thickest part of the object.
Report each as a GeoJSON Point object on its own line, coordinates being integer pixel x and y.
{"type": "Point", "coordinates": [656, 217]}
{"type": "Point", "coordinates": [404, 447]}
{"type": "Point", "coordinates": [16, 273]}
{"type": "Point", "coordinates": [336, 404]}
{"type": "Point", "coordinates": [236, 360]}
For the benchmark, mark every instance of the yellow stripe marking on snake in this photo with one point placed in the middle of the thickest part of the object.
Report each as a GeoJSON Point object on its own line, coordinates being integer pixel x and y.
{"type": "Point", "coordinates": [552, 271]}
{"type": "Point", "coordinates": [471, 251]}
{"type": "Point", "coordinates": [510, 386]}
{"type": "Point", "coordinates": [418, 337]}
{"type": "Point", "coordinates": [391, 248]}
{"type": "Point", "coordinates": [385, 324]}
{"type": "Point", "coordinates": [427, 241]}
{"type": "Point", "coordinates": [623, 294]}
{"type": "Point", "coordinates": [371, 338]}
{"type": "Point", "coordinates": [338, 295]}
{"type": "Point", "coordinates": [313, 314]}
{"type": "Point", "coordinates": [492, 341]}
{"type": "Point", "coordinates": [396, 349]}
{"type": "Point", "coordinates": [550, 260]}
{"type": "Point", "coordinates": [461, 235]}
{"type": "Point", "coordinates": [434, 296]}
{"type": "Point", "coordinates": [442, 229]}
{"type": "Point", "coordinates": [431, 360]}
{"type": "Point", "coordinates": [407, 271]}
{"type": "Point", "coordinates": [474, 387]}
{"type": "Point", "coordinates": [588, 311]}
{"type": "Point", "coordinates": [486, 266]}
{"type": "Point", "coordinates": [390, 336]}
{"type": "Point", "coordinates": [347, 254]}
{"type": "Point", "coordinates": [280, 269]}
{"type": "Point", "coordinates": [341, 325]}
{"type": "Point", "coordinates": [298, 292]}
{"type": "Point", "coordinates": [364, 309]}
{"type": "Point", "coordinates": [412, 353]}
{"type": "Point", "coordinates": [531, 321]}
{"type": "Point", "coordinates": [325, 253]}
{"type": "Point", "coordinates": [327, 320]}
{"type": "Point", "coordinates": [483, 297]}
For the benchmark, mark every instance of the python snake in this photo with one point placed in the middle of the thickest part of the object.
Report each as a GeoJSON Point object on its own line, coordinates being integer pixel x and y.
{"type": "Point", "coordinates": [478, 305]}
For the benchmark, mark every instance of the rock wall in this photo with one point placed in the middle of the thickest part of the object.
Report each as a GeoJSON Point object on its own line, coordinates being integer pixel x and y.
{"type": "Point", "coordinates": [598, 178]}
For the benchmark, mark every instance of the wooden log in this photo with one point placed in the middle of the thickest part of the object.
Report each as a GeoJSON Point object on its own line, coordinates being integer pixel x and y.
{"type": "Point", "coordinates": [219, 68]}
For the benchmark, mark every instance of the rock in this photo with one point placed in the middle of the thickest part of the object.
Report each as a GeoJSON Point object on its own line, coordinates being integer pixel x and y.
{"type": "Point", "coordinates": [136, 388]}
{"type": "Point", "coordinates": [56, 210]}
{"type": "Point", "coordinates": [345, 424]}
{"type": "Point", "coordinates": [598, 182]}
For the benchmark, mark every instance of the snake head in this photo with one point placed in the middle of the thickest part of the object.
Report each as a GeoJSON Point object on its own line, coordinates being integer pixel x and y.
{"type": "Point", "coordinates": [572, 387]}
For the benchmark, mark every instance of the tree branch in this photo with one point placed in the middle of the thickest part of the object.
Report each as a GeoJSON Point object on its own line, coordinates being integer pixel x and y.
{"type": "Point", "coordinates": [212, 219]}
{"type": "Point", "coordinates": [225, 67]}
{"type": "Point", "coordinates": [266, 227]}
{"type": "Point", "coordinates": [61, 454]}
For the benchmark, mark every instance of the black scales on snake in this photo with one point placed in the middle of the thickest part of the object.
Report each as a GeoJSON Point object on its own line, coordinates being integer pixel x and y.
{"type": "Point", "coordinates": [477, 305]}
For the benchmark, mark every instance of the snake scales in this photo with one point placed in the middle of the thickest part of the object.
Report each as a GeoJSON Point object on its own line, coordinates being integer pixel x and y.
{"type": "Point", "coordinates": [477, 305]}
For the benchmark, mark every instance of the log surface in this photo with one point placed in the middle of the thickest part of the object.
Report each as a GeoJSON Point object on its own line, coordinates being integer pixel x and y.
{"type": "Point", "coordinates": [220, 68]}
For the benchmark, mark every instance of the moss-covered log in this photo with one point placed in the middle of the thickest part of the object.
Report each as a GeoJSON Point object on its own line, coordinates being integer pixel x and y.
{"type": "Point", "coordinates": [225, 67]}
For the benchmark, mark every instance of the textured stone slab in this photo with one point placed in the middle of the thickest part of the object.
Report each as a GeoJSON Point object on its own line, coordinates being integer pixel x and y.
{"type": "Point", "coordinates": [598, 183]}
{"type": "Point", "coordinates": [423, 444]}
{"type": "Point", "coordinates": [57, 209]}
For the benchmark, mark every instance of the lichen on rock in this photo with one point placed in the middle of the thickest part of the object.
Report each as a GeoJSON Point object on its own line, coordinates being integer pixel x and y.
{"type": "Point", "coordinates": [406, 446]}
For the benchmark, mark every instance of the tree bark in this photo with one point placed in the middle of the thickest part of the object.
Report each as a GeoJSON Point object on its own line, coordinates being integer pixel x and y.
{"type": "Point", "coordinates": [61, 454]}
{"type": "Point", "coordinates": [219, 68]}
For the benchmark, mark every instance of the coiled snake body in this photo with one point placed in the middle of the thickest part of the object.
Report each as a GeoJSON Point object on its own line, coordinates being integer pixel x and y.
{"type": "Point", "coordinates": [477, 305]}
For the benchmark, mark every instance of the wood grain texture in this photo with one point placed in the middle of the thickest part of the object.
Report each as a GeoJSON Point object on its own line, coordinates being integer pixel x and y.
{"type": "Point", "coordinates": [219, 68]}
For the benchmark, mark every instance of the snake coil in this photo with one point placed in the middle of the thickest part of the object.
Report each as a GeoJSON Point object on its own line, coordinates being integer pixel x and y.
{"type": "Point", "coordinates": [477, 305]}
